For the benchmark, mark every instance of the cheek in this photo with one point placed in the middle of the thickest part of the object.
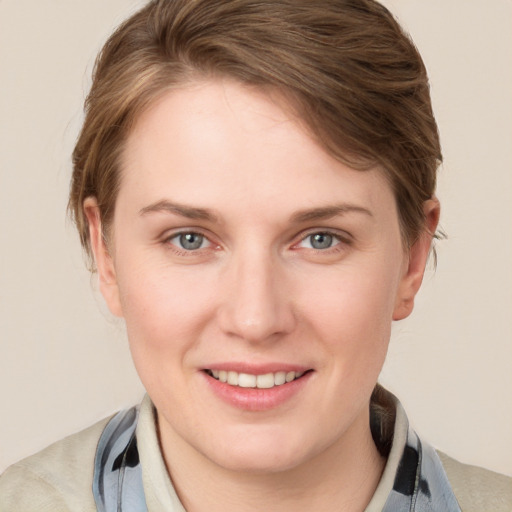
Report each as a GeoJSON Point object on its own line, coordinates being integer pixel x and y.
{"type": "Point", "coordinates": [165, 309]}
{"type": "Point", "coordinates": [353, 313]}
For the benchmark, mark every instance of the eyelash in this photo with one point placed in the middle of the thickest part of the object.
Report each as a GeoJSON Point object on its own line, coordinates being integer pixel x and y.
{"type": "Point", "coordinates": [182, 251]}
{"type": "Point", "coordinates": [342, 242]}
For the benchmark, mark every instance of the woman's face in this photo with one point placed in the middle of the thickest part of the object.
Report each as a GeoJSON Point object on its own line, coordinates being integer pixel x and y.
{"type": "Point", "coordinates": [242, 251]}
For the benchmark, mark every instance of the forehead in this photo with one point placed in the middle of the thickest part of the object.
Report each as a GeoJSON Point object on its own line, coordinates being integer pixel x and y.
{"type": "Point", "coordinates": [214, 143]}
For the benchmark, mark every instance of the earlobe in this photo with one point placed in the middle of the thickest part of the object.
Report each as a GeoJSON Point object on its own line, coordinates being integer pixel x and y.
{"type": "Point", "coordinates": [104, 262]}
{"type": "Point", "coordinates": [415, 268]}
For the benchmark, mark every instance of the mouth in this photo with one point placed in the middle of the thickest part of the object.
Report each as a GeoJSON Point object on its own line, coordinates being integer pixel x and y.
{"type": "Point", "coordinates": [248, 380]}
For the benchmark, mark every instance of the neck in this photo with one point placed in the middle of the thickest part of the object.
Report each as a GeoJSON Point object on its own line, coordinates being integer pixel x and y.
{"type": "Point", "coordinates": [342, 477]}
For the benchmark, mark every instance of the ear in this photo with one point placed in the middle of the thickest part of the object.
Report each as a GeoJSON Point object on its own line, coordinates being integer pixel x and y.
{"type": "Point", "coordinates": [415, 265]}
{"type": "Point", "coordinates": [102, 257]}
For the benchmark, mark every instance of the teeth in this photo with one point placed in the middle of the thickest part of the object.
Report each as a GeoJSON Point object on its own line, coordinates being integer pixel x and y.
{"type": "Point", "coordinates": [246, 380]}
{"type": "Point", "coordinates": [233, 378]}
{"type": "Point", "coordinates": [265, 381]}
{"type": "Point", "coordinates": [280, 378]}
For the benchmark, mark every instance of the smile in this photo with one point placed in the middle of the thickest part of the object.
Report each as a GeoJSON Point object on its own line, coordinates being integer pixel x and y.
{"type": "Point", "coordinates": [247, 380]}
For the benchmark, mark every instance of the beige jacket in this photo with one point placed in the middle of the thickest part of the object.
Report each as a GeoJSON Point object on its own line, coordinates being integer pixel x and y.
{"type": "Point", "coordinates": [59, 478]}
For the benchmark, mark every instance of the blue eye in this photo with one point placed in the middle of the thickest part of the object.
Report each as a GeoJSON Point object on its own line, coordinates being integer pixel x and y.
{"type": "Point", "coordinates": [190, 241]}
{"type": "Point", "coordinates": [320, 241]}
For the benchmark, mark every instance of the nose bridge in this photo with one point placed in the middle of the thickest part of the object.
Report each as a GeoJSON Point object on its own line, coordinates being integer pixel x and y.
{"type": "Point", "coordinates": [256, 306]}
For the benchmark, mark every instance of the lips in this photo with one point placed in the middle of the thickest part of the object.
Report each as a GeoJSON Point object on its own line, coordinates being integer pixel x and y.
{"type": "Point", "coordinates": [259, 381]}
{"type": "Point", "coordinates": [256, 388]}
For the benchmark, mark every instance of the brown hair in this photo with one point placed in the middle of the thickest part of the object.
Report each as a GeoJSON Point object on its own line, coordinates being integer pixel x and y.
{"type": "Point", "coordinates": [353, 77]}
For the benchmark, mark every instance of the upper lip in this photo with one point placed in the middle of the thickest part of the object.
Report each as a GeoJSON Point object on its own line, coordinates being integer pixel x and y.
{"type": "Point", "coordinates": [257, 369]}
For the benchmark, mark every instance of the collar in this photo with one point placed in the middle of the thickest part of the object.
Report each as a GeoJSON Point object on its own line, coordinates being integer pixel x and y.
{"type": "Point", "coordinates": [413, 478]}
{"type": "Point", "coordinates": [130, 474]}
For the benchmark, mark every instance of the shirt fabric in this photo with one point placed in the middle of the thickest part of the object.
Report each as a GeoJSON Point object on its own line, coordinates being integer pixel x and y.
{"type": "Point", "coordinates": [117, 465]}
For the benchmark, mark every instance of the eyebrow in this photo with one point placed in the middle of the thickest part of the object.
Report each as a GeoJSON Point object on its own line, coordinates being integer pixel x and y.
{"type": "Point", "coordinates": [328, 212]}
{"type": "Point", "coordinates": [313, 214]}
{"type": "Point", "coordinates": [179, 209]}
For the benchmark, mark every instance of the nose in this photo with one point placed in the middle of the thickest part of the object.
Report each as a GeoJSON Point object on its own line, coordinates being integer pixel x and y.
{"type": "Point", "coordinates": [256, 305]}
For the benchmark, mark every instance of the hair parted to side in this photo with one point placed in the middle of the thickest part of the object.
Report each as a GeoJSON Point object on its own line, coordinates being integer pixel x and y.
{"type": "Point", "coordinates": [352, 75]}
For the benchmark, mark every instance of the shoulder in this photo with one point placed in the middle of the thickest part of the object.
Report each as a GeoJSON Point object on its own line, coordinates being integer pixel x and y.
{"type": "Point", "coordinates": [478, 489]}
{"type": "Point", "coordinates": [59, 478]}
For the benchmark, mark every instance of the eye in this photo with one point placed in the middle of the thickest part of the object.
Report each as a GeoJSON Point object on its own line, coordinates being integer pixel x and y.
{"type": "Point", "coordinates": [319, 241]}
{"type": "Point", "coordinates": [190, 241]}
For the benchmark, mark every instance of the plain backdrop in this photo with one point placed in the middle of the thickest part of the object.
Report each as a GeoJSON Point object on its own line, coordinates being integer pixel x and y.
{"type": "Point", "coordinates": [64, 361]}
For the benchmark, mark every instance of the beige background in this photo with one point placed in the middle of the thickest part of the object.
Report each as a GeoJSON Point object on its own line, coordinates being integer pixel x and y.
{"type": "Point", "coordinates": [64, 362]}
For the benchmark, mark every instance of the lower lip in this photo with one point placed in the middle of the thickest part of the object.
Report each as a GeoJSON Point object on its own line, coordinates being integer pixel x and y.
{"type": "Point", "coordinates": [256, 399]}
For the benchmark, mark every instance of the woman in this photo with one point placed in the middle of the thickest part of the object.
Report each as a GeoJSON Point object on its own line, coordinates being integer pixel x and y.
{"type": "Point", "coordinates": [255, 183]}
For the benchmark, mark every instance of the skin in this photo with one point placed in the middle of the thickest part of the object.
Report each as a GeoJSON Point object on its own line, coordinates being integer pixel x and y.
{"type": "Point", "coordinates": [256, 291]}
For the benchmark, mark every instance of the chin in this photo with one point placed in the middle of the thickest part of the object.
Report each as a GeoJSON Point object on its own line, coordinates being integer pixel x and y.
{"type": "Point", "coordinates": [269, 452]}
{"type": "Point", "coordinates": [258, 462]}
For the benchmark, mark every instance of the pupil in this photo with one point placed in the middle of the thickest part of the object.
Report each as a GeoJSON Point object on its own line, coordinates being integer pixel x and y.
{"type": "Point", "coordinates": [321, 241]}
{"type": "Point", "coordinates": [191, 241]}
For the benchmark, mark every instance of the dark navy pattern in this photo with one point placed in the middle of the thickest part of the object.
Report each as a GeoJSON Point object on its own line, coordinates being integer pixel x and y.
{"type": "Point", "coordinates": [117, 483]}
{"type": "Point", "coordinates": [420, 483]}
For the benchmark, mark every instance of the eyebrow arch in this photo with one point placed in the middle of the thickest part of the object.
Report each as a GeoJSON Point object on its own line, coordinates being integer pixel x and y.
{"type": "Point", "coordinates": [327, 212]}
{"type": "Point", "coordinates": [179, 209]}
